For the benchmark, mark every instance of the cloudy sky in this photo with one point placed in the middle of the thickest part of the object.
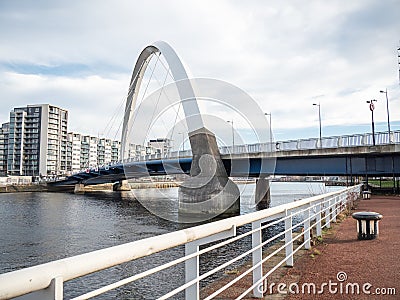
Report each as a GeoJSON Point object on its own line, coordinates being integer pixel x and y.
{"type": "Point", "coordinates": [79, 55]}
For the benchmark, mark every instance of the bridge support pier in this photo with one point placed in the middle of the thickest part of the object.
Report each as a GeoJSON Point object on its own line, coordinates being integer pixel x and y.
{"type": "Point", "coordinates": [263, 193]}
{"type": "Point", "coordinates": [79, 188]}
{"type": "Point", "coordinates": [208, 192]}
{"type": "Point", "coordinates": [122, 185]}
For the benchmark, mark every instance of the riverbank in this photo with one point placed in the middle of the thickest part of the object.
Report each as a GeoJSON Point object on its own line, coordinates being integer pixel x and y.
{"type": "Point", "coordinates": [23, 188]}
{"type": "Point", "coordinates": [89, 188]}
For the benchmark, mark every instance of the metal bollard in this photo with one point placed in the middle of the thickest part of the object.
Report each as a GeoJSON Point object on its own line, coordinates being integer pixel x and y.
{"type": "Point", "coordinates": [366, 195]}
{"type": "Point", "coordinates": [367, 224]}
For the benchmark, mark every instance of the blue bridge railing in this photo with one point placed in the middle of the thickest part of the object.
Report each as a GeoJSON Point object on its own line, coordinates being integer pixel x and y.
{"type": "Point", "coordinates": [356, 140]}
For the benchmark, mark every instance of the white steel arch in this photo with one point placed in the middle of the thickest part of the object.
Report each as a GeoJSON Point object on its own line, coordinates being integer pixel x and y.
{"type": "Point", "coordinates": [184, 86]}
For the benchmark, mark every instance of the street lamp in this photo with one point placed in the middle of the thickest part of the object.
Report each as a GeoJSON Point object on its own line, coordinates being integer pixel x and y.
{"type": "Point", "coordinates": [270, 129]}
{"type": "Point", "coordinates": [387, 110]}
{"type": "Point", "coordinates": [371, 108]}
{"type": "Point", "coordinates": [233, 135]}
{"type": "Point", "coordinates": [320, 125]}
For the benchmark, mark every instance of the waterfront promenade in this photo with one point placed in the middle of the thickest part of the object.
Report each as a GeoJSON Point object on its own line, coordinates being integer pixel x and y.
{"type": "Point", "coordinates": [374, 262]}
{"type": "Point", "coordinates": [368, 261]}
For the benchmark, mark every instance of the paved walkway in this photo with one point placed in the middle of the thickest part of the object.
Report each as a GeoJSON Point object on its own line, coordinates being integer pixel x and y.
{"type": "Point", "coordinates": [373, 262]}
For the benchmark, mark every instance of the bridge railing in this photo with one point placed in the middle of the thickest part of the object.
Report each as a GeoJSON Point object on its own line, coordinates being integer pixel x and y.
{"type": "Point", "coordinates": [355, 140]}
{"type": "Point", "coordinates": [296, 220]}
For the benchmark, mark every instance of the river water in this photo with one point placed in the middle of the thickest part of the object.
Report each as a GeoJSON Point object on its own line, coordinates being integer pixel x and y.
{"type": "Point", "coordinates": [40, 227]}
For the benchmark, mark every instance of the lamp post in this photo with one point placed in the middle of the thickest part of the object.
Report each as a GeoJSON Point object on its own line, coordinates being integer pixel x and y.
{"type": "Point", "coordinates": [320, 125]}
{"type": "Point", "coordinates": [270, 129]}
{"type": "Point", "coordinates": [387, 110]}
{"type": "Point", "coordinates": [233, 135]}
{"type": "Point", "coordinates": [371, 108]}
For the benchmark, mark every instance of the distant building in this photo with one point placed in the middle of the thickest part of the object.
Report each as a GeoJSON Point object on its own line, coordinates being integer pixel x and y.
{"type": "Point", "coordinates": [37, 141]}
{"type": "Point", "coordinates": [88, 151]}
{"type": "Point", "coordinates": [91, 143]}
{"type": "Point", "coordinates": [3, 148]}
{"type": "Point", "coordinates": [104, 151]}
{"type": "Point", "coordinates": [162, 145]}
{"type": "Point", "coordinates": [83, 151]}
{"type": "Point", "coordinates": [74, 140]}
{"type": "Point", "coordinates": [115, 151]}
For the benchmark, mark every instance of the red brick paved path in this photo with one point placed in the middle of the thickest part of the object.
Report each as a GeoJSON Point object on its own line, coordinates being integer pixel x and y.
{"type": "Point", "coordinates": [372, 261]}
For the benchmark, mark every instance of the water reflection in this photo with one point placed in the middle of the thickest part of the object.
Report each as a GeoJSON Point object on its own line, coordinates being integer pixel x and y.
{"type": "Point", "coordinates": [40, 227]}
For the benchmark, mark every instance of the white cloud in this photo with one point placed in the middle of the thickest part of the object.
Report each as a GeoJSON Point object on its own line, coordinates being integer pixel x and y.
{"type": "Point", "coordinates": [90, 100]}
{"type": "Point", "coordinates": [283, 54]}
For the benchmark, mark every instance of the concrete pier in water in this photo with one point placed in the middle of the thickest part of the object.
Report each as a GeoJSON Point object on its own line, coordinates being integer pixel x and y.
{"type": "Point", "coordinates": [208, 190]}
{"type": "Point", "coordinates": [79, 188]}
{"type": "Point", "coordinates": [263, 193]}
{"type": "Point", "coordinates": [122, 185]}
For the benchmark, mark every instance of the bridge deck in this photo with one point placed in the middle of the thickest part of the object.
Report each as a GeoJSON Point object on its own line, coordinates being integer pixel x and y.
{"type": "Point", "coordinates": [353, 155]}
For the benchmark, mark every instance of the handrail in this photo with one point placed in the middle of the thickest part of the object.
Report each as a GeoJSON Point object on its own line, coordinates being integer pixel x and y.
{"type": "Point", "coordinates": [40, 277]}
{"type": "Point", "coordinates": [355, 140]}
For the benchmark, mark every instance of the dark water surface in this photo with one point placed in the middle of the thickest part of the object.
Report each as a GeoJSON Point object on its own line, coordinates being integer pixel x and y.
{"type": "Point", "coordinates": [40, 227]}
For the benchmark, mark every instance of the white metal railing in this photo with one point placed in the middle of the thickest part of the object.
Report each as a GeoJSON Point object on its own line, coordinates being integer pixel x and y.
{"type": "Point", "coordinates": [46, 281]}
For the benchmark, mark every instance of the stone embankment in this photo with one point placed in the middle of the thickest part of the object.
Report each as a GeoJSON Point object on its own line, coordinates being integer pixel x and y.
{"type": "Point", "coordinates": [23, 188]}
{"type": "Point", "coordinates": [90, 188]}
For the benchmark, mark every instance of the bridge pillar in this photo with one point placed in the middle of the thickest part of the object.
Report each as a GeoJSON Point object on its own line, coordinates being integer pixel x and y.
{"type": "Point", "coordinates": [208, 191]}
{"type": "Point", "coordinates": [79, 188]}
{"type": "Point", "coordinates": [122, 185]}
{"type": "Point", "coordinates": [263, 193]}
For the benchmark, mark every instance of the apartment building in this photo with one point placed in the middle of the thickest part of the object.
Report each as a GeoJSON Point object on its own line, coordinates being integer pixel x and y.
{"type": "Point", "coordinates": [162, 145]}
{"type": "Point", "coordinates": [74, 139]}
{"type": "Point", "coordinates": [90, 152]}
{"type": "Point", "coordinates": [3, 148]}
{"type": "Point", "coordinates": [104, 151]}
{"type": "Point", "coordinates": [115, 151]}
{"type": "Point", "coordinates": [37, 141]}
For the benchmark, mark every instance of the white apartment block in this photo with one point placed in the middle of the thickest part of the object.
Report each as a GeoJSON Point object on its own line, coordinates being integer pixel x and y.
{"type": "Point", "coordinates": [3, 148]}
{"type": "Point", "coordinates": [104, 151]}
{"type": "Point", "coordinates": [90, 152]}
{"type": "Point", "coordinates": [91, 143]}
{"type": "Point", "coordinates": [74, 140]}
{"type": "Point", "coordinates": [37, 141]}
{"type": "Point", "coordinates": [162, 145]}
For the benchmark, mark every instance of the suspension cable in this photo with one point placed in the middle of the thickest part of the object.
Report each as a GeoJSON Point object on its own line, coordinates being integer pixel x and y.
{"type": "Point", "coordinates": [180, 103]}
{"type": "Point", "coordinates": [176, 118]}
{"type": "Point", "coordinates": [167, 69]}
{"type": "Point", "coordinates": [162, 90]}
{"type": "Point", "coordinates": [113, 118]}
{"type": "Point", "coordinates": [111, 122]}
{"type": "Point", "coordinates": [130, 88]}
{"type": "Point", "coordinates": [118, 129]}
{"type": "Point", "coordinates": [151, 76]}
{"type": "Point", "coordinates": [159, 96]}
